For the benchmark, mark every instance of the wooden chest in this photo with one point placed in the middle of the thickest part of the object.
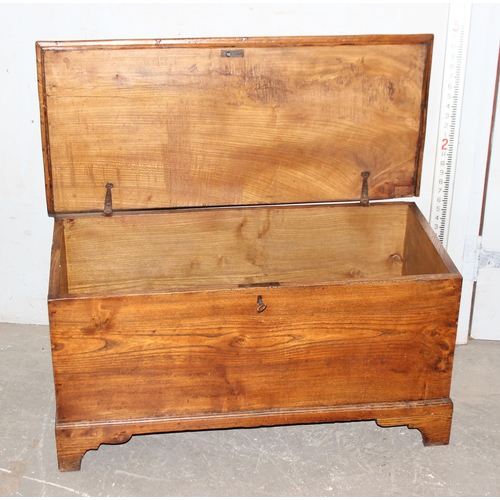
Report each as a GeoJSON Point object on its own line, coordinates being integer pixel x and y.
{"type": "Point", "coordinates": [219, 257]}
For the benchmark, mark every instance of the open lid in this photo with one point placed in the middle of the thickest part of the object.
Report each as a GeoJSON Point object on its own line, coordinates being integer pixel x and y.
{"type": "Point", "coordinates": [215, 122]}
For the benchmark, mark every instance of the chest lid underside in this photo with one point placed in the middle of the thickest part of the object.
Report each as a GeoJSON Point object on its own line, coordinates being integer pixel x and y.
{"type": "Point", "coordinates": [217, 122]}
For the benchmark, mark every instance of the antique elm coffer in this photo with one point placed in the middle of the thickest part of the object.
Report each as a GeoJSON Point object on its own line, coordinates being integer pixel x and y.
{"type": "Point", "coordinates": [222, 253]}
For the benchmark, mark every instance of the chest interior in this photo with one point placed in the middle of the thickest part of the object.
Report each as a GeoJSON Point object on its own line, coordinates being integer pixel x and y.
{"type": "Point", "coordinates": [196, 249]}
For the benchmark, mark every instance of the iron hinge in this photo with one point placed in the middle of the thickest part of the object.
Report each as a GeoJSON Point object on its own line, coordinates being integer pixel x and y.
{"type": "Point", "coordinates": [365, 199]}
{"type": "Point", "coordinates": [108, 201]}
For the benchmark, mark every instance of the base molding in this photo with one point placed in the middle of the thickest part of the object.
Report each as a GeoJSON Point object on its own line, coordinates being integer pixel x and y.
{"type": "Point", "coordinates": [431, 417]}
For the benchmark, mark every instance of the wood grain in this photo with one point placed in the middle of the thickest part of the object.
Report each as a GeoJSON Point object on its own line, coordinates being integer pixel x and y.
{"type": "Point", "coordinates": [432, 418]}
{"type": "Point", "coordinates": [58, 280]}
{"type": "Point", "coordinates": [423, 250]}
{"type": "Point", "coordinates": [189, 353]}
{"type": "Point", "coordinates": [229, 247]}
{"type": "Point", "coordinates": [181, 126]}
{"type": "Point", "coordinates": [422, 253]}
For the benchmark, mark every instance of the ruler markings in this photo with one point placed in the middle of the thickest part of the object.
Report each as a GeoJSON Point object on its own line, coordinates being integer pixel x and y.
{"type": "Point", "coordinates": [449, 118]}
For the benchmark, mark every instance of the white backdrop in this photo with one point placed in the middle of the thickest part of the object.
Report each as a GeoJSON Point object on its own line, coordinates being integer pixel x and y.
{"type": "Point", "coordinates": [25, 228]}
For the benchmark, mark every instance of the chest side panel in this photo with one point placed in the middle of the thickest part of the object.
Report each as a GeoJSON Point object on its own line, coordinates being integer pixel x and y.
{"type": "Point", "coordinates": [177, 126]}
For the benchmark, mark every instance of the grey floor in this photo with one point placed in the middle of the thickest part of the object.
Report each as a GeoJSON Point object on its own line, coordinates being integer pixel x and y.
{"type": "Point", "coordinates": [352, 459]}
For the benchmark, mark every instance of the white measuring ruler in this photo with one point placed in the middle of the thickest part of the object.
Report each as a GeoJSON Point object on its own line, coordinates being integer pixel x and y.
{"type": "Point", "coordinates": [449, 118]}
